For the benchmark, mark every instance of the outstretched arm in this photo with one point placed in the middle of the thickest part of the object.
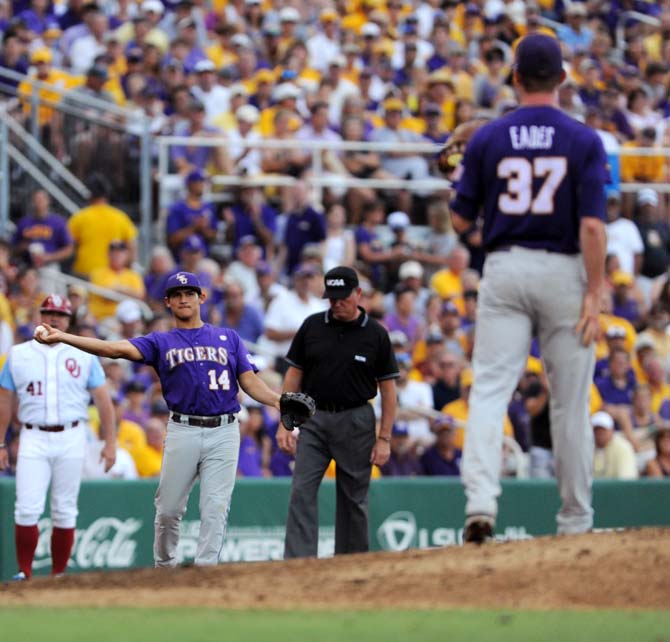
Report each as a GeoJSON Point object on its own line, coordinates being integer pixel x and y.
{"type": "Point", "coordinates": [111, 349]}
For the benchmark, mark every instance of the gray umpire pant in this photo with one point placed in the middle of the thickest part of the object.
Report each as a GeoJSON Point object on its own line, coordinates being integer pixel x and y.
{"type": "Point", "coordinates": [191, 452]}
{"type": "Point", "coordinates": [347, 437]}
{"type": "Point", "coordinates": [522, 292]}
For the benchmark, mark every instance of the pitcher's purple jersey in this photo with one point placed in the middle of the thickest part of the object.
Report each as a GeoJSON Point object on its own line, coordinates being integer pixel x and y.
{"type": "Point", "coordinates": [198, 368]}
{"type": "Point", "coordinates": [535, 172]}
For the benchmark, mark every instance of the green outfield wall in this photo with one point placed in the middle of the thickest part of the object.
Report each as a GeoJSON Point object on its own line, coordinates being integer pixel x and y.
{"type": "Point", "coordinates": [115, 524]}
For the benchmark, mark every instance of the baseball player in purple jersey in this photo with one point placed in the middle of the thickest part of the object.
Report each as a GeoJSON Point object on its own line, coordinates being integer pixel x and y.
{"type": "Point", "coordinates": [537, 176]}
{"type": "Point", "coordinates": [200, 367]}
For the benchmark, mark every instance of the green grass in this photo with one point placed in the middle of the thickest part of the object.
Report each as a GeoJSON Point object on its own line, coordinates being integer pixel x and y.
{"type": "Point", "coordinates": [31, 624]}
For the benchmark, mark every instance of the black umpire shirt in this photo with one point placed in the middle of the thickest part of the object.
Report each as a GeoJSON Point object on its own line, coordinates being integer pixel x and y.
{"type": "Point", "coordinates": [342, 361]}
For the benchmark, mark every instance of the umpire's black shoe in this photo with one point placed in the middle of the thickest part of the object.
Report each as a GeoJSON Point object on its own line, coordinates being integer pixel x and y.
{"type": "Point", "coordinates": [478, 529]}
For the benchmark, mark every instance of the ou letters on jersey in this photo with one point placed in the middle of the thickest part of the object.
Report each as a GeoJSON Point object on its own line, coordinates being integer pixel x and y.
{"type": "Point", "coordinates": [52, 382]}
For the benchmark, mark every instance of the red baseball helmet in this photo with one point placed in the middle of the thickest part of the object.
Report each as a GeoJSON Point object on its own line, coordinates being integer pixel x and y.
{"type": "Point", "coordinates": [56, 303]}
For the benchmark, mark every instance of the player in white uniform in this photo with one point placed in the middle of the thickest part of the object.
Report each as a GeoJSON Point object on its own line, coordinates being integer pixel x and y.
{"type": "Point", "coordinates": [53, 385]}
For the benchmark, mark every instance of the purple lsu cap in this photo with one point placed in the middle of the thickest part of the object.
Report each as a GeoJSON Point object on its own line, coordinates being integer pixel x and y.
{"type": "Point", "coordinates": [193, 243]}
{"type": "Point", "coordinates": [196, 176]}
{"type": "Point", "coordinates": [182, 280]}
{"type": "Point", "coordinates": [539, 56]}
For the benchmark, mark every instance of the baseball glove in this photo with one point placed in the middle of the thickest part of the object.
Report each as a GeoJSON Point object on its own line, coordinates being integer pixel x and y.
{"type": "Point", "coordinates": [295, 408]}
{"type": "Point", "coordinates": [451, 155]}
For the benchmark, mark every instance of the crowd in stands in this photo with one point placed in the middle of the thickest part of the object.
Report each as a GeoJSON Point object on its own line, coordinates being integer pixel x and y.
{"type": "Point", "coordinates": [364, 70]}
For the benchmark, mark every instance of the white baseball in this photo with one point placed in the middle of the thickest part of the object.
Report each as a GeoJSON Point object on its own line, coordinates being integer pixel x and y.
{"type": "Point", "coordinates": [41, 332]}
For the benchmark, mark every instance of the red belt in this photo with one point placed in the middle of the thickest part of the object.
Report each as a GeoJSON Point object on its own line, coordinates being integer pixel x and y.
{"type": "Point", "coordinates": [57, 428]}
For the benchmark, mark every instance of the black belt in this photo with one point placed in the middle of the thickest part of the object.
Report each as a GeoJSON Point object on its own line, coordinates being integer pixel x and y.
{"type": "Point", "coordinates": [57, 428]}
{"type": "Point", "coordinates": [338, 407]}
{"type": "Point", "coordinates": [203, 422]}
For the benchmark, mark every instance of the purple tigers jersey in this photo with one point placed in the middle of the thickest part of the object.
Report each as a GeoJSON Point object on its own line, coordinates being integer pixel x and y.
{"type": "Point", "coordinates": [198, 368]}
{"type": "Point", "coordinates": [535, 172]}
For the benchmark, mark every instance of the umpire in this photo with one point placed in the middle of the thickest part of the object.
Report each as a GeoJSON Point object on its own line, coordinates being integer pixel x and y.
{"type": "Point", "coordinates": [338, 357]}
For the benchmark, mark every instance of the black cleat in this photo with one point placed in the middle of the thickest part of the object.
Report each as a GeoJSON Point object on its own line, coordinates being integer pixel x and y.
{"type": "Point", "coordinates": [478, 529]}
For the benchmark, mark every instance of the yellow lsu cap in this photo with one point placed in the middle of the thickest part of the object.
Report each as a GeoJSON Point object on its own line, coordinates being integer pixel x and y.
{"type": "Point", "coordinates": [393, 104]}
{"type": "Point", "coordinates": [43, 54]}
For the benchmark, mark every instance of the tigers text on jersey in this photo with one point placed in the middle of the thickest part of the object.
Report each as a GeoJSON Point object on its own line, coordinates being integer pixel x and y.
{"type": "Point", "coordinates": [543, 172]}
{"type": "Point", "coordinates": [52, 382]}
{"type": "Point", "coordinates": [198, 368]}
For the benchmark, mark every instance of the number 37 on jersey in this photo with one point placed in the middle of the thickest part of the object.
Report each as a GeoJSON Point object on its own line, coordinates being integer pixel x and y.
{"type": "Point", "coordinates": [523, 175]}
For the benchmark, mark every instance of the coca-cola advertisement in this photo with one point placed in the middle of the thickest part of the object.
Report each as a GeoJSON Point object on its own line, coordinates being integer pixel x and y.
{"type": "Point", "coordinates": [107, 542]}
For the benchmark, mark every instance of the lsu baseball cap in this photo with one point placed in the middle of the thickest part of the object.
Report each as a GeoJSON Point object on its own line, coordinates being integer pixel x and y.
{"type": "Point", "coordinates": [56, 303]}
{"type": "Point", "coordinates": [615, 332]}
{"type": "Point", "coordinates": [393, 104]}
{"type": "Point", "coordinates": [204, 65]}
{"type": "Point", "coordinates": [620, 277]}
{"type": "Point", "coordinates": [263, 268]}
{"type": "Point", "coordinates": [398, 338]}
{"type": "Point", "coordinates": [644, 342]}
{"type": "Point", "coordinates": [181, 281]}
{"type": "Point", "coordinates": [602, 420]}
{"type": "Point", "coordinates": [647, 196]}
{"type": "Point", "coordinates": [400, 430]}
{"type": "Point", "coordinates": [196, 176]}
{"type": "Point", "coordinates": [449, 307]}
{"type": "Point", "coordinates": [128, 311]}
{"type": "Point", "coordinates": [340, 282]}
{"type": "Point", "coordinates": [98, 71]}
{"type": "Point", "coordinates": [248, 114]}
{"type": "Point", "coordinates": [305, 269]}
{"type": "Point", "coordinates": [443, 422]}
{"type": "Point", "coordinates": [41, 55]}
{"type": "Point", "coordinates": [539, 56]}
{"type": "Point", "coordinates": [193, 243]}
{"type": "Point", "coordinates": [410, 270]}
{"type": "Point", "coordinates": [398, 220]}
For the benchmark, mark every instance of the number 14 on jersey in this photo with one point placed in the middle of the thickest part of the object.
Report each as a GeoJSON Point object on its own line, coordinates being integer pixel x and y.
{"type": "Point", "coordinates": [220, 383]}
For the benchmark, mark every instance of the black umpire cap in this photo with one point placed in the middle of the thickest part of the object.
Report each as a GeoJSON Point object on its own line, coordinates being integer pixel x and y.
{"type": "Point", "coordinates": [340, 282]}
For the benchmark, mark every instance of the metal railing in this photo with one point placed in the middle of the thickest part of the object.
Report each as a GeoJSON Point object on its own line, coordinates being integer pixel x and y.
{"type": "Point", "coordinates": [318, 178]}
{"type": "Point", "coordinates": [625, 16]}
{"type": "Point", "coordinates": [82, 107]}
{"type": "Point", "coordinates": [91, 288]}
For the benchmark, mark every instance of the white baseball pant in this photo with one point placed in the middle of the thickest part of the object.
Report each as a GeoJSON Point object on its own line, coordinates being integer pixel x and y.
{"type": "Point", "coordinates": [191, 452]}
{"type": "Point", "coordinates": [44, 458]}
{"type": "Point", "coordinates": [525, 291]}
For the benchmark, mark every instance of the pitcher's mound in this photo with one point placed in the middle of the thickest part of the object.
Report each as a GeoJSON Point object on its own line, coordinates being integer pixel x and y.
{"type": "Point", "coordinates": [624, 569]}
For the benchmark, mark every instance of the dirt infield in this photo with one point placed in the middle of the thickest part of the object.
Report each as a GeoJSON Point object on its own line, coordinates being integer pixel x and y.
{"type": "Point", "coordinates": [614, 570]}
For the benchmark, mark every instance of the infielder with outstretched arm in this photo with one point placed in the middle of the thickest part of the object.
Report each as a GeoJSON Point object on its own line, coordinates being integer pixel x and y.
{"type": "Point", "coordinates": [538, 176]}
{"type": "Point", "coordinates": [199, 366]}
{"type": "Point", "coordinates": [53, 385]}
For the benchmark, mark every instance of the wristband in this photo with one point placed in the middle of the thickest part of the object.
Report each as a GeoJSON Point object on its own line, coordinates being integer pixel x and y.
{"type": "Point", "coordinates": [3, 445]}
{"type": "Point", "coordinates": [386, 439]}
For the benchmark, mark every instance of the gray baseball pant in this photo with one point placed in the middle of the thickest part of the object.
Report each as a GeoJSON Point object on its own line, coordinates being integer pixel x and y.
{"type": "Point", "coordinates": [191, 452]}
{"type": "Point", "coordinates": [348, 438]}
{"type": "Point", "coordinates": [525, 291]}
